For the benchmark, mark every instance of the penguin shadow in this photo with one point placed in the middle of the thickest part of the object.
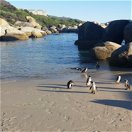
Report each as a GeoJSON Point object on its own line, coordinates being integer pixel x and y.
{"type": "Point", "coordinates": [60, 88]}
{"type": "Point", "coordinates": [110, 89]}
{"type": "Point", "coordinates": [53, 86]}
{"type": "Point", "coordinates": [110, 82]}
{"type": "Point", "coordinates": [116, 103]}
{"type": "Point", "coordinates": [80, 84]}
{"type": "Point", "coordinates": [64, 91]}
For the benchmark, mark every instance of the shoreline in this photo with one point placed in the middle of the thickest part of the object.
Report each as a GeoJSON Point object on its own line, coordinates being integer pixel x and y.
{"type": "Point", "coordinates": [47, 105]}
{"type": "Point", "coordinates": [76, 75]}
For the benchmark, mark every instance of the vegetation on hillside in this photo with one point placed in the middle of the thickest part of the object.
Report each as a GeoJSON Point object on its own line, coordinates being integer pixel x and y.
{"type": "Point", "coordinates": [12, 14]}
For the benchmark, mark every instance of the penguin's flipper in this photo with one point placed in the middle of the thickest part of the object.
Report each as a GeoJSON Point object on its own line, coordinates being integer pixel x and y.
{"type": "Point", "coordinates": [90, 88]}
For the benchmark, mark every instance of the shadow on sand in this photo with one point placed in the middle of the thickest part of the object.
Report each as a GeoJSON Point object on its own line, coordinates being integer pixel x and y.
{"type": "Point", "coordinates": [63, 91]}
{"type": "Point", "coordinates": [60, 88]}
{"type": "Point", "coordinates": [105, 82]}
{"type": "Point", "coordinates": [116, 103]}
{"type": "Point", "coordinates": [53, 86]}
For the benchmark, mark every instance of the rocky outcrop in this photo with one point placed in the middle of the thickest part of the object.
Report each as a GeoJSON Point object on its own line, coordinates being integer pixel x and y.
{"type": "Point", "coordinates": [90, 31]}
{"type": "Point", "coordinates": [115, 31]}
{"type": "Point", "coordinates": [33, 32]}
{"type": "Point", "coordinates": [92, 35]}
{"type": "Point", "coordinates": [3, 23]}
{"type": "Point", "coordinates": [9, 33]}
{"type": "Point", "coordinates": [128, 33]}
{"type": "Point", "coordinates": [69, 29]}
{"type": "Point", "coordinates": [23, 24]}
{"type": "Point", "coordinates": [53, 29]}
{"type": "Point", "coordinates": [122, 57]}
{"type": "Point", "coordinates": [32, 21]}
{"type": "Point", "coordinates": [46, 30]}
{"type": "Point", "coordinates": [104, 52]}
{"type": "Point", "coordinates": [89, 35]}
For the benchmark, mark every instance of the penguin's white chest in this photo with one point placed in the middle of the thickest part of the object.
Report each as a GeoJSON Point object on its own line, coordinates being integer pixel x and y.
{"type": "Point", "coordinates": [94, 87]}
{"type": "Point", "coordinates": [70, 85]}
{"type": "Point", "coordinates": [89, 81]}
{"type": "Point", "coordinates": [119, 79]}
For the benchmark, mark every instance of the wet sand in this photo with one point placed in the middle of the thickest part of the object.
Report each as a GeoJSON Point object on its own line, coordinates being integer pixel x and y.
{"type": "Point", "coordinates": [47, 105]}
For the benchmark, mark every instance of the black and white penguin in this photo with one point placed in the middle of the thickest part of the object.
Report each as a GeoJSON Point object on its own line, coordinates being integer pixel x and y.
{"type": "Point", "coordinates": [93, 87]}
{"type": "Point", "coordinates": [97, 65]}
{"type": "Point", "coordinates": [118, 79]}
{"type": "Point", "coordinates": [70, 84]}
{"type": "Point", "coordinates": [127, 85]}
{"type": "Point", "coordinates": [88, 81]}
{"type": "Point", "coordinates": [84, 70]}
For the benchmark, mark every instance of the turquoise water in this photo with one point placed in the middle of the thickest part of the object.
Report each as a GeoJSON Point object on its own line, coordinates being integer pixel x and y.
{"type": "Point", "coordinates": [52, 56]}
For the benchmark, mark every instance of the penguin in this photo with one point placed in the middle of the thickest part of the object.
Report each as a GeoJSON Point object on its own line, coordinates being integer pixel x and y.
{"type": "Point", "coordinates": [70, 84]}
{"type": "Point", "coordinates": [88, 81]}
{"type": "Point", "coordinates": [97, 65]}
{"type": "Point", "coordinates": [127, 85]}
{"type": "Point", "coordinates": [118, 79]}
{"type": "Point", "coordinates": [5, 31]}
{"type": "Point", "coordinates": [93, 87]}
{"type": "Point", "coordinates": [84, 70]}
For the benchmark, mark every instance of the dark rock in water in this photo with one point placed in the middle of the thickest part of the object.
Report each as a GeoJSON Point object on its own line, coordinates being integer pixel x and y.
{"type": "Point", "coordinates": [122, 57]}
{"type": "Point", "coordinates": [90, 31]}
{"type": "Point", "coordinates": [115, 31]}
{"type": "Point", "coordinates": [128, 33]}
{"type": "Point", "coordinates": [8, 38]}
{"type": "Point", "coordinates": [88, 35]}
{"type": "Point", "coordinates": [87, 45]}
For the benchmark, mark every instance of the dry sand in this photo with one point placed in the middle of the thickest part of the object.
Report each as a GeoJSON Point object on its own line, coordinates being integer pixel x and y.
{"type": "Point", "coordinates": [46, 105]}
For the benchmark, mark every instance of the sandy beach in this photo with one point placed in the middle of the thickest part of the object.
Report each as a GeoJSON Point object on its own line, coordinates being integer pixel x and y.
{"type": "Point", "coordinates": [47, 105]}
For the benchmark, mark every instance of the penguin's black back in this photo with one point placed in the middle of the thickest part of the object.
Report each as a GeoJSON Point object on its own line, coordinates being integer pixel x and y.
{"type": "Point", "coordinates": [68, 83]}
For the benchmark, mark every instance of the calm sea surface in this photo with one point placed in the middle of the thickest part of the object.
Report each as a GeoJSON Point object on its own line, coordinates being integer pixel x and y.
{"type": "Point", "coordinates": [52, 56]}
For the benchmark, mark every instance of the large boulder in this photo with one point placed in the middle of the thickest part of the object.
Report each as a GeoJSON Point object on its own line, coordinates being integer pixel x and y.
{"type": "Point", "coordinates": [128, 33]}
{"type": "Point", "coordinates": [36, 34]}
{"type": "Point", "coordinates": [33, 32]}
{"type": "Point", "coordinates": [53, 29]}
{"type": "Point", "coordinates": [90, 31]}
{"type": "Point", "coordinates": [46, 30]}
{"type": "Point", "coordinates": [101, 52]}
{"type": "Point", "coordinates": [122, 57]}
{"type": "Point", "coordinates": [88, 35]}
{"type": "Point", "coordinates": [33, 22]}
{"type": "Point", "coordinates": [104, 52]}
{"type": "Point", "coordinates": [3, 23]}
{"type": "Point", "coordinates": [23, 24]}
{"type": "Point", "coordinates": [115, 31]}
{"type": "Point", "coordinates": [10, 34]}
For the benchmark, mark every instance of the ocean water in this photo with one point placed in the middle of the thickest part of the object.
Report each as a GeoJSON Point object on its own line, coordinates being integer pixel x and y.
{"type": "Point", "coordinates": [51, 57]}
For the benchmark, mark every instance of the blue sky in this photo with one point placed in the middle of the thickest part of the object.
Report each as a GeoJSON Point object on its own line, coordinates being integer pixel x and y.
{"type": "Point", "coordinates": [101, 11]}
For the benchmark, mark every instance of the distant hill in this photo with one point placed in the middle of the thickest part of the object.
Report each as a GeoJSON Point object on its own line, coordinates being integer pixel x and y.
{"type": "Point", "coordinates": [7, 5]}
{"type": "Point", "coordinates": [12, 14]}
